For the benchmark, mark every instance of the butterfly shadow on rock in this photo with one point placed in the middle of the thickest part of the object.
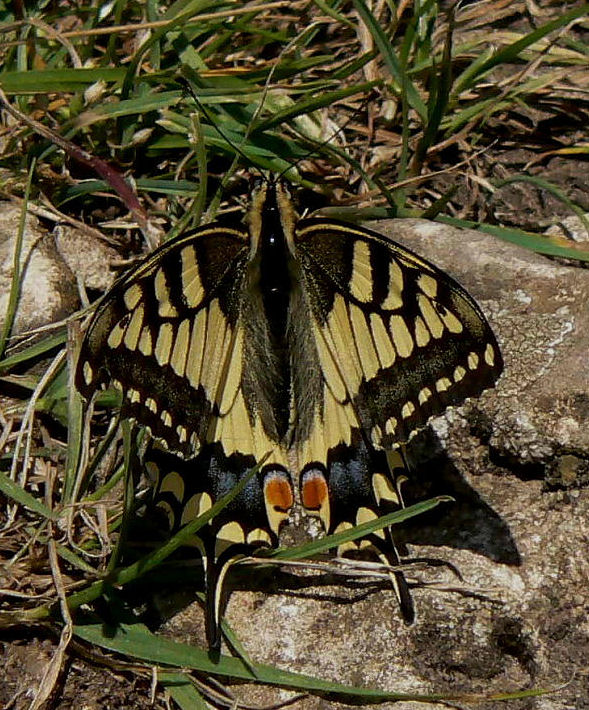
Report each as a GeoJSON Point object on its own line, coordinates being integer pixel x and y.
{"type": "Point", "coordinates": [468, 523]}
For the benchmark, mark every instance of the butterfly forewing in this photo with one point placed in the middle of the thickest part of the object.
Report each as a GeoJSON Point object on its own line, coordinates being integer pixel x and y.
{"type": "Point", "coordinates": [167, 335]}
{"type": "Point", "coordinates": [398, 340]}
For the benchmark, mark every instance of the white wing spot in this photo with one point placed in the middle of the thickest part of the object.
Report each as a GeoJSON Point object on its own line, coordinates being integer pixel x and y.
{"type": "Point", "coordinates": [258, 535]}
{"type": "Point", "coordinates": [364, 515]}
{"type": "Point", "coordinates": [490, 355]}
{"type": "Point", "coordinates": [133, 395]}
{"type": "Point", "coordinates": [195, 506]}
{"type": "Point", "coordinates": [133, 330]}
{"type": "Point", "coordinates": [384, 346]}
{"type": "Point", "coordinates": [173, 483]}
{"type": "Point", "coordinates": [192, 287]}
{"type": "Point", "coordinates": [88, 372]}
{"type": "Point", "coordinates": [391, 425]}
{"type": "Point", "coordinates": [459, 373]}
{"type": "Point", "coordinates": [162, 292]}
{"type": "Point", "coordinates": [424, 395]}
{"type": "Point", "coordinates": [230, 534]}
{"type": "Point", "coordinates": [376, 435]}
{"type": "Point", "coordinates": [115, 337]}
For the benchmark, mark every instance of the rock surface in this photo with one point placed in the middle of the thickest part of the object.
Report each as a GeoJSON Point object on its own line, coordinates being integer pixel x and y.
{"type": "Point", "coordinates": [50, 264]}
{"type": "Point", "coordinates": [48, 288]}
{"type": "Point", "coordinates": [516, 462]}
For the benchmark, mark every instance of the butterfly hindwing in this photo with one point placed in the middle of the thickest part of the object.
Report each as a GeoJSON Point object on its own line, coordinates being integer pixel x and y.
{"type": "Point", "coordinates": [184, 489]}
{"type": "Point", "coordinates": [357, 484]}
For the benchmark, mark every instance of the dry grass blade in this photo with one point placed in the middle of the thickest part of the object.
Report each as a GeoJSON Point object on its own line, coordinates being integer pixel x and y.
{"type": "Point", "coordinates": [54, 667]}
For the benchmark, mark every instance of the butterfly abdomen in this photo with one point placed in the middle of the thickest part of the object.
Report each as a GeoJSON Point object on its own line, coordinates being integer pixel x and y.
{"type": "Point", "coordinates": [276, 286]}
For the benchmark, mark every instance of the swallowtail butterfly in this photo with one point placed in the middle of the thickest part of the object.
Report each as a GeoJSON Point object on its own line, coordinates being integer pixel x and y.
{"type": "Point", "coordinates": [310, 344]}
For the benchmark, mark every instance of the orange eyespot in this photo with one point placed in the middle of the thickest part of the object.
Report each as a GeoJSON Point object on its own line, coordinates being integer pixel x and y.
{"type": "Point", "coordinates": [278, 492]}
{"type": "Point", "coordinates": [314, 490]}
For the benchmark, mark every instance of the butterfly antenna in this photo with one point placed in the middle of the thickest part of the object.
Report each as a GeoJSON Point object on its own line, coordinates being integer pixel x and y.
{"type": "Point", "coordinates": [186, 82]}
{"type": "Point", "coordinates": [326, 143]}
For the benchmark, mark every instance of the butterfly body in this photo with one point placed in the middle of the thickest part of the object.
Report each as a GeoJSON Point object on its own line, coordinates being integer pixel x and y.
{"type": "Point", "coordinates": [309, 345]}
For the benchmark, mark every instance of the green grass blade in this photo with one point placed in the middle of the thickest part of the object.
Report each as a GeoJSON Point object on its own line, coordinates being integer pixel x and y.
{"type": "Point", "coordinates": [33, 352]}
{"type": "Point", "coordinates": [509, 54]}
{"type": "Point", "coordinates": [130, 464]}
{"type": "Point", "coordinates": [75, 560]}
{"type": "Point", "coordinates": [182, 691]}
{"type": "Point", "coordinates": [135, 641]}
{"type": "Point", "coordinates": [313, 104]}
{"type": "Point", "coordinates": [124, 575]}
{"type": "Point", "coordinates": [440, 85]}
{"type": "Point", "coordinates": [333, 13]}
{"type": "Point", "coordinates": [129, 107]}
{"type": "Point", "coordinates": [75, 425]}
{"type": "Point", "coordinates": [330, 541]}
{"type": "Point", "coordinates": [13, 491]}
{"type": "Point", "coordinates": [550, 246]}
{"type": "Point", "coordinates": [15, 284]}
{"type": "Point", "coordinates": [56, 80]}
{"type": "Point", "coordinates": [549, 187]}
{"type": "Point", "coordinates": [391, 60]}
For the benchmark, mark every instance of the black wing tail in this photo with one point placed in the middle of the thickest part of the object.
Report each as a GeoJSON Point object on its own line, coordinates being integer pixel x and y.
{"type": "Point", "coordinates": [356, 485]}
{"type": "Point", "coordinates": [186, 489]}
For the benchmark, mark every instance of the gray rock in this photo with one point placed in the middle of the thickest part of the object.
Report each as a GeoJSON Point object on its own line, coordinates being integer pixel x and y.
{"type": "Point", "coordinates": [89, 257]}
{"type": "Point", "coordinates": [539, 310]}
{"type": "Point", "coordinates": [48, 287]}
